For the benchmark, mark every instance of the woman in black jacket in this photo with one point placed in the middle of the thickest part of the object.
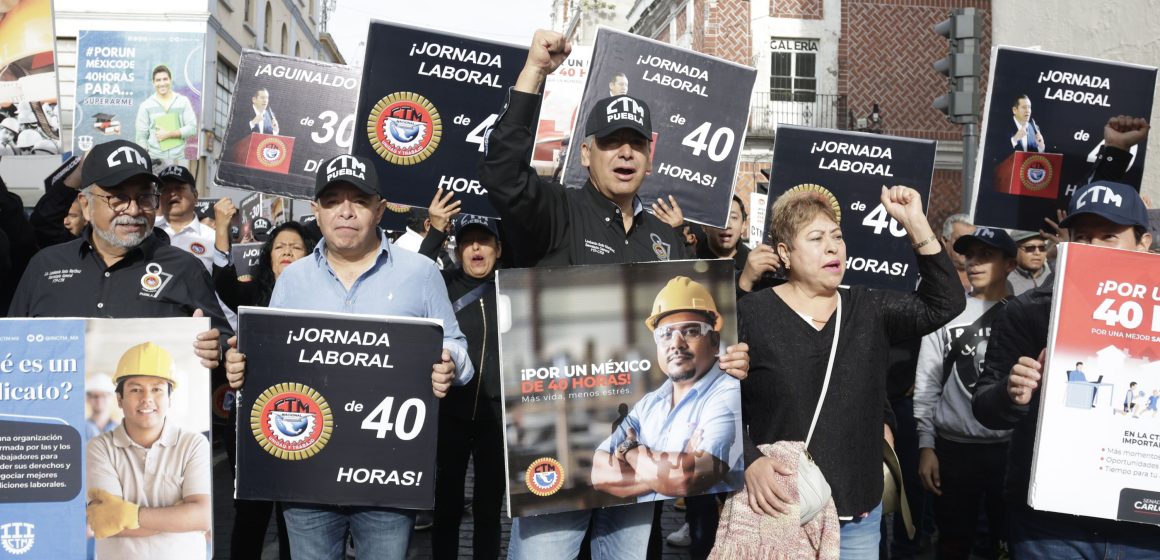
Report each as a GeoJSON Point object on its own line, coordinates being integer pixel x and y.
{"type": "Point", "coordinates": [470, 417]}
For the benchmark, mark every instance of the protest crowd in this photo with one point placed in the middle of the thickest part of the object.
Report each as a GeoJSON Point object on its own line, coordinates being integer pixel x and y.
{"type": "Point", "coordinates": [831, 378]}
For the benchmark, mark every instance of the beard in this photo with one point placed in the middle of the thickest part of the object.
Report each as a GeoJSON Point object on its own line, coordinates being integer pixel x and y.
{"type": "Point", "coordinates": [129, 241]}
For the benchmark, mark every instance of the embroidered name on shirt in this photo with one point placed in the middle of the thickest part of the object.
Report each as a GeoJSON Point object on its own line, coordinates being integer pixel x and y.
{"type": "Point", "coordinates": [598, 248]}
{"type": "Point", "coordinates": [58, 276]}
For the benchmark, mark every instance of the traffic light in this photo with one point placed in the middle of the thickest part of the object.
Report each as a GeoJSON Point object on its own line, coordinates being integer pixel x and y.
{"type": "Point", "coordinates": [961, 66]}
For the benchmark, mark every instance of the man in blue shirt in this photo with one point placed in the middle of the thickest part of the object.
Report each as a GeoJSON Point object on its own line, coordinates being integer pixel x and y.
{"type": "Point", "coordinates": [354, 269]}
{"type": "Point", "coordinates": [682, 438]}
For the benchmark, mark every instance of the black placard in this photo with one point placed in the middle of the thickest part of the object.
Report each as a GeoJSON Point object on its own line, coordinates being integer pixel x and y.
{"type": "Point", "coordinates": [314, 105]}
{"type": "Point", "coordinates": [698, 106]}
{"type": "Point", "coordinates": [320, 390]}
{"type": "Point", "coordinates": [853, 167]}
{"type": "Point", "coordinates": [426, 101]}
{"type": "Point", "coordinates": [1071, 99]}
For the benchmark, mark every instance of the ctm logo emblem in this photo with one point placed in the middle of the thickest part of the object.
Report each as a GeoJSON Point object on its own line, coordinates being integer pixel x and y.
{"type": "Point", "coordinates": [126, 155]}
{"type": "Point", "coordinates": [624, 105]}
{"type": "Point", "coordinates": [17, 538]}
{"type": "Point", "coordinates": [1099, 194]}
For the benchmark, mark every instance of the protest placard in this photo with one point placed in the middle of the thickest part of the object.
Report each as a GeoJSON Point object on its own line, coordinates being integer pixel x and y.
{"type": "Point", "coordinates": [699, 107]}
{"type": "Point", "coordinates": [561, 102]}
{"type": "Point", "coordinates": [141, 86]}
{"type": "Point", "coordinates": [1098, 420]}
{"type": "Point", "coordinates": [65, 427]}
{"type": "Point", "coordinates": [758, 203]}
{"type": "Point", "coordinates": [850, 169]}
{"type": "Point", "coordinates": [1044, 127]}
{"type": "Point", "coordinates": [337, 408]}
{"type": "Point", "coordinates": [591, 359]}
{"type": "Point", "coordinates": [287, 117]}
{"type": "Point", "coordinates": [29, 94]}
{"type": "Point", "coordinates": [427, 97]}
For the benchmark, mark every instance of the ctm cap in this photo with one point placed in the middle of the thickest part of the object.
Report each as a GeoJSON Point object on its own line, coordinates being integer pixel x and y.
{"type": "Point", "coordinates": [358, 171]}
{"type": "Point", "coordinates": [993, 237]}
{"type": "Point", "coordinates": [1116, 202]}
{"type": "Point", "coordinates": [113, 163]}
{"type": "Point", "coordinates": [614, 113]}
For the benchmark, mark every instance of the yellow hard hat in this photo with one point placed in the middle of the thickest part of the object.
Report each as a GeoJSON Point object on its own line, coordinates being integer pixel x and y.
{"type": "Point", "coordinates": [145, 359]}
{"type": "Point", "coordinates": [684, 294]}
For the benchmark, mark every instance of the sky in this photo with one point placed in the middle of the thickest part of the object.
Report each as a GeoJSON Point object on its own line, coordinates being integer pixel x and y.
{"type": "Point", "coordinates": [509, 21]}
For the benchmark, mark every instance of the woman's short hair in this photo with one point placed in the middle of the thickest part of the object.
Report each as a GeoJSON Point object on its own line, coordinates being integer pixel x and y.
{"type": "Point", "coordinates": [794, 210]}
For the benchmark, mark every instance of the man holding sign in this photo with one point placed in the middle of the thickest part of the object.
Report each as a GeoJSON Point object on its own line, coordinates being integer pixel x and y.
{"type": "Point", "coordinates": [602, 222]}
{"type": "Point", "coordinates": [354, 269]}
{"type": "Point", "coordinates": [1104, 214]}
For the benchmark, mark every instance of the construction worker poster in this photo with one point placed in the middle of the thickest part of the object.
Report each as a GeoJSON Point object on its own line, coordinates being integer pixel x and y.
{"type": "Point", "coordinates": [141, 86]}
{"type": "Point", "coordinates": [698, 106]}
{"type": "Point", "coordinates": [288, 115]}
{"type": "Point", "coordinates": [1098, 418]}
{"type": "Point", "coordinates": [612, 389]}
{"type": "Point", "coordinates": [337, 408]}
{"type": "Point", "coordinates": [561, 101]}
{"type": "Point", "coordinates": [29, 95]}
{"type": "Point", "coordinates": [427, 98]}
{"type": "Point", "coordinates": [850, 169]}
{"type": "Point", "coordinates": [1043, 132]}
{"type": "Point", "coordinates": [85, 404]}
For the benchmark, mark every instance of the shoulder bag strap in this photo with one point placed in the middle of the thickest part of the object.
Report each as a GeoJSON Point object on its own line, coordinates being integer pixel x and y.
{"type": "Point", "coordinates": [829, 369]}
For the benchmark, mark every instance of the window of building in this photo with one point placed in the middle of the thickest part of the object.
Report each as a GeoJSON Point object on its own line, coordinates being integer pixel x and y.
{"type": "Point", "coordinates": [268, 36]}
{"type": "Point", "coordinates": [248, 11]}
{"type": "Point", "coordinates": [285, 39]}
{"type": "Point", "coordinates": [297, 49]}
{"type": "Point", "coordinates": [226, 76]}
{"type": "Point", "coordinates": [793, 69]}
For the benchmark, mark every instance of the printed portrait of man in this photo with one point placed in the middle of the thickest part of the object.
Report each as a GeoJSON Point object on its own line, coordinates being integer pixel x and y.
{"type": "Point", "coordinates": [684, 438]}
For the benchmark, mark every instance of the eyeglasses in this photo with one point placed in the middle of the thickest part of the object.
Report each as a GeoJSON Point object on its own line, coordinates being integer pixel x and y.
{"type": "Point", "coordinates": [691, 331]}
{"type": "Point", "coordinates": [1033, 248]}
{"type": "Point", "coordinates": [120, 202]}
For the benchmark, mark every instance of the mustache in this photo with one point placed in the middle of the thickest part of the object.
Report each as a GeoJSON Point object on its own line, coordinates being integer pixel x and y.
{"type": "Point", "coordinates": [678, 353]}
{"type": "Point", "coordinates": [124, 220]}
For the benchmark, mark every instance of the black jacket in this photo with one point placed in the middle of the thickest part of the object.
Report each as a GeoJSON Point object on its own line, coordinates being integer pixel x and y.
{"type": "Point", "coordinates": [480, 397]}
{"type": "Point", "coordinates": [548, 224]}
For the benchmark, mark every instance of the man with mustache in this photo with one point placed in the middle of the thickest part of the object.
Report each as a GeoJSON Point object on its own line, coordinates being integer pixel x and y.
{"type": "Point", "coordinates": [118, 268]}
{"type": "Point", "coordinates": [683, 438]}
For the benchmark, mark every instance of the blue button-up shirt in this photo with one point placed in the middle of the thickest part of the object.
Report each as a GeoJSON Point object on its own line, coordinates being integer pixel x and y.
{"type": "Point", "coordinates": [399, 283]}
{"type": "Point", "coordinates": [712, 406]}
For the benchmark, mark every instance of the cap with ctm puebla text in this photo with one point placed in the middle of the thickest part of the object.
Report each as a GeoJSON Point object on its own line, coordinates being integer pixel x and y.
{"type": "Point", "coordinates": [615, 113]}
{"type": "Point", "coordinates": [358, 171]}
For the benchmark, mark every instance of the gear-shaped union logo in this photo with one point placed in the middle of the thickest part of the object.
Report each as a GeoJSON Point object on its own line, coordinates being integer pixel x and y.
{"type": "Point", "coordinates": [404, 128]}
{"type": "Point", "coordinates": [291, 421]}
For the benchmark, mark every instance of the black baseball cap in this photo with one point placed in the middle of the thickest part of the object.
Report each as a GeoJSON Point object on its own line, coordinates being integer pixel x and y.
{"type": "Point", "coordinates": [993, 237]}
{"type": "Point", "coordinates": [176, 173]}
{"type": "Point", "coordinates": [112, 163]}
{"type": "Point", "coordinates": [614, 113]}
{"type": "Point", "coordinates": [356, 170]}
{"type": "Point", "coordinates": [465, 222]}
{"type": "Point", "coordinates": [1116, 202]}
{"type": "Point", "coordinates": [260, 228]}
